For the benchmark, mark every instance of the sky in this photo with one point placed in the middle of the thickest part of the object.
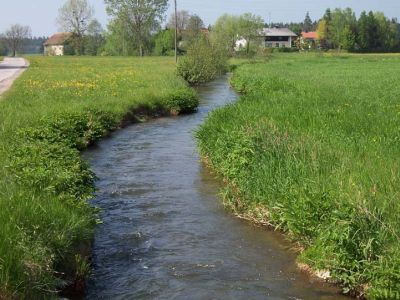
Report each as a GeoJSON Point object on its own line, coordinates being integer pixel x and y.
{"type": "Point", "coordinates": [40, 15]}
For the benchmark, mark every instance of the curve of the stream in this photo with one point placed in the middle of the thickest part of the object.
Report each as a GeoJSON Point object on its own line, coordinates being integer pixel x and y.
{"type": "Point", "coordinates": [165, 233]}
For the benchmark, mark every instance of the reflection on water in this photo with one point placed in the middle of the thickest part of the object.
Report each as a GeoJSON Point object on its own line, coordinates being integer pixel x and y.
{"type": "Point", "coordinates": [165, 233]}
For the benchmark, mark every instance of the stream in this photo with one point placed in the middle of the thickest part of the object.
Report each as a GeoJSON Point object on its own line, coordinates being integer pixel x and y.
{"type": "Point", "coordinates": [165, 233]}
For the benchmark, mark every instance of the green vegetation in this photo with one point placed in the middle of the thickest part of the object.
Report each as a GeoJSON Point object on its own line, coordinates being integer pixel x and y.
{"type": "Point", "coordinates": [312, 148]}
{"type": "Point", "coordinates": [372, 32]}
{"type": "Point", "coordinates": [57, 108]}
{"type": "Point", "coordinates": [204, 61]}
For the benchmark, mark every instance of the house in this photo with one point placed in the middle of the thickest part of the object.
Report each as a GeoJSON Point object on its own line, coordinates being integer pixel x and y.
{"type": "Point", "coordinates": [240, 44]}
{"type": "Point", "coordinates": [278, 37]}
{"type": "Point", "coordinates": [54, 46]}
{"type": "Point", "coordinates": [309, 39]}
{"type": "Point", "coordinates": [311, 36]}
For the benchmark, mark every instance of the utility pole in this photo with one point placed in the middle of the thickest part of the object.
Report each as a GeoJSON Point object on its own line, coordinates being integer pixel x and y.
{"type": "Point", "coordinates": [176, 33]}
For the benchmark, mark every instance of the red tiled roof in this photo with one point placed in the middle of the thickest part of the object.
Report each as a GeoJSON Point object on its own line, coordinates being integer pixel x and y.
{"type": "Point", "coordinates": [310, 35]}
{"type": "Point", "coordinates": [58, 39]}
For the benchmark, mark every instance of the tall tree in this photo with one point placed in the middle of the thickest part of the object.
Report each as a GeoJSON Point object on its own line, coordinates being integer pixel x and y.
{"type": "Point", "coordinates": [225, 32]}
{"type": "Point", "coordinates": [164, 42]}
{"type": "Point", "coordinates": [193, 28]}
{"type": "Point", "coordinates": [308, 23]}
{"type": "Point", "coordinates": [322, 32]}
{"type": "Point", "coordinates": [15, 36]}
{"type": "Point", "coordinates": [342, 28]}
{"type": "Point", "coordinates": [142, 17]}
{"type": "Point", "coordinates": [182, 17]}
{"type": "Point", "coordinates": [387, 32]}
{"type": "Point", "coordinates": [249, 28]}
{"type": "Point", "coordinates": [75, 16]}
{"type": "Point", "coordinates": [94, 38]}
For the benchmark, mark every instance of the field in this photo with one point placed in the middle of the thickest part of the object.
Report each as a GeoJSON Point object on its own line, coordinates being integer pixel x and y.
{"type": "Point", "coordinates": [313, 149]}
{"type": "Point", "coordinates": [58, 107]}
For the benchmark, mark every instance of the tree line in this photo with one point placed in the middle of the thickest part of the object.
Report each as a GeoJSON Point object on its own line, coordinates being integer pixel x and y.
{"type": "Point", "coordinates": [136, 28]}
{"type": "Point", "coordinates": [341, 29]}
{"type": "Point", "coordinates": [371, 32]}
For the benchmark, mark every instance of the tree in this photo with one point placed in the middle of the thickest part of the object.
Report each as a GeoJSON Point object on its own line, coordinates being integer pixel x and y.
{"type": "Point", "coordinates": [225, 32]}
{"type": "Point", "coordinates": [15, 36]}
{"type": "Point", "coordinates": [322, 32]}
{"type": "Point", "coordinates": [308, 23]}
{"type": "Point", "coordinates": [387, 32]}
{"type": "Point", "coordinates": [249, 28]}
{"type": "Point", "coordinates": [342, 28]}
{"type": "Point", "coordinates": [164, 42]}
{"type": "Point", "coordinates": [141, 17]}
{"type": "Point", "coordinates": [75, 16]}
{"type": "Point", "coordinates": [183, 17]}
{"type": "Point", "coordinates": [368, 32]}
{"type": "Point", "coordinates": [119, 39]}
{"type": "Point", "coordinates": [94, 38]}
{"type": "Point", "coordinates": [193, 29]}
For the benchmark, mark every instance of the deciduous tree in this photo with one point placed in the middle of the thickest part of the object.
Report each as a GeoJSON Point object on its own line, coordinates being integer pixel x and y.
{"type": "Point", "coordinates": [94, 38]}
{"type": "Point", "coordinates": [15, 36]}
{"type": "Point", "coordinates": [141, 17]}
{"type": "Point", "coordinates": [75, 16]}
{"type": "Point", "coordinates": [183, 17]}
{"type": "Point", "coordinates": [249, 28]}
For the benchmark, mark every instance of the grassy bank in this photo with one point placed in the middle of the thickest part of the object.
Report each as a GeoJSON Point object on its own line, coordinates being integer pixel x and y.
{"type": "Point", "coordinates": [57, 108]}
{"type": "Point", "coordinates": [312, 148]}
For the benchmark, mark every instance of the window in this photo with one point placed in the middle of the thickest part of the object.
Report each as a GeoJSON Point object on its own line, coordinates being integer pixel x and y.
{"type": "Point", "coordinates": [277, 45]}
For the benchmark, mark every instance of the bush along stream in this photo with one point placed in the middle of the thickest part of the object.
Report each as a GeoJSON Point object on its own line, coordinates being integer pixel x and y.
{"type": "Point", "coordinates": [55, 110]}
{"type": "Point", "coordinates": [312, 149]}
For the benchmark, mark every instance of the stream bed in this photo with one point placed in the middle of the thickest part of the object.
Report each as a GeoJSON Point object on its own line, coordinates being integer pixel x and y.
{"type": "Point", "coordinates": [165, 233]}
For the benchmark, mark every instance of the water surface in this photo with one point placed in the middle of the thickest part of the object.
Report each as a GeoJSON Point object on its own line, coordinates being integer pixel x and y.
{"type": "Point", "coordinates": [165, 233]}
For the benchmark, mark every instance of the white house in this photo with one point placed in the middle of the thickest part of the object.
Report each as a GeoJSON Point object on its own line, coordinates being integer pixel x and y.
{"type": "Point", "coordinates": [272, 38]}
{"type": "Point", "coordinates": [54, 46]}
{"type": "Point", "coordinates": [278, 37]}
{"type": "Point", "coordinates": [240, 44]}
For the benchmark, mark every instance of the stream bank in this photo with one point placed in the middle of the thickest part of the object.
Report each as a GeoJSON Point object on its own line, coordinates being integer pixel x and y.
{"type": "Point", "coordinates": [165, 232]}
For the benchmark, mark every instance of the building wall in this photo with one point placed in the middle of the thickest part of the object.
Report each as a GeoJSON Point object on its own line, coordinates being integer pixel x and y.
{"type": "Point", "coordinates": [57, 50]}
{"type": "Point", "coordinates": [271, 43]}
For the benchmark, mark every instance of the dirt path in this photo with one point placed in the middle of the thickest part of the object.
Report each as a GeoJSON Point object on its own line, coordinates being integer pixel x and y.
{"type": "Point", "coordinates": [11, 69]}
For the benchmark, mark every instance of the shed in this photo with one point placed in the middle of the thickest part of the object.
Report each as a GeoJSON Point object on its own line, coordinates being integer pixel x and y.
{"type": "Point", "coordinates": [54, 46]}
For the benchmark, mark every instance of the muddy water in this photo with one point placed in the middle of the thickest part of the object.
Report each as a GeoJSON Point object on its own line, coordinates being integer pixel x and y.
{"type": "Point", "coordinates": [165, 233]}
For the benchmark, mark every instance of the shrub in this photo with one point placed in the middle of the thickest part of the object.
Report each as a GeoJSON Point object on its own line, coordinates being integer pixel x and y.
{"type": "Point", "coordinates": [182, 101]}
{"type": "Point", "coordinates": [203, 62]}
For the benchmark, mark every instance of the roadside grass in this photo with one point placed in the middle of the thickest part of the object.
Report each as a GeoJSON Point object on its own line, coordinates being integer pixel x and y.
{"type": "Point", "coordinates": [313, 148]}
{"type": "Point", "coordinates": [57, 108]}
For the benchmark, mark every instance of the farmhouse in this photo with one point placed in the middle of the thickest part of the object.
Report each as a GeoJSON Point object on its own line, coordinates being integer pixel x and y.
{"type": "Point", "coordinates": [311, 36]}
{"type": "Point", "coordinates": [54, 46]}
{"type": "Point", "coordinates": [278, 37]}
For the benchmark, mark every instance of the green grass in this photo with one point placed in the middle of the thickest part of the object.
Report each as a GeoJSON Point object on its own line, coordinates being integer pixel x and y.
{"type": "Point", "coordinates": [57, 108]}
{"type": "Point", "coordinates": [313, 148]}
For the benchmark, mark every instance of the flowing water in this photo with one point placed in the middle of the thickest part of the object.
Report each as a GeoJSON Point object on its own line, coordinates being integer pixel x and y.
{"type": "Point", "coordinates": [165, 234]}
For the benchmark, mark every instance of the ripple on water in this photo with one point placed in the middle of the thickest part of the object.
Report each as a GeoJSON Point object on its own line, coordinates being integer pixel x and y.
{"type": "Point", "coordinates": [165, 234]}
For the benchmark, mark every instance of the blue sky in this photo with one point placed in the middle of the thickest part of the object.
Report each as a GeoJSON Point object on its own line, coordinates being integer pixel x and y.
{"type": "Point", "coordinates": [41, 14]}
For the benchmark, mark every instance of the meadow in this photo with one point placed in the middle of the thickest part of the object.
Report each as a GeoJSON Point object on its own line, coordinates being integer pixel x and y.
{"type": "Point", "coordinates": [57, 108]}
{"type": "Point", "coordinates": [312, 148]}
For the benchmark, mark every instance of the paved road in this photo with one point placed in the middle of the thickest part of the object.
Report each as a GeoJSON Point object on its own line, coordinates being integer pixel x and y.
{"type": "Point", "coordinates": [10, 69]}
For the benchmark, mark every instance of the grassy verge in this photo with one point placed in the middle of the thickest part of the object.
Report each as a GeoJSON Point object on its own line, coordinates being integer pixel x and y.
{"type": "Point", "coordinates": [312, 148]}
{"type": "Point", "coordinates": [57, 108]}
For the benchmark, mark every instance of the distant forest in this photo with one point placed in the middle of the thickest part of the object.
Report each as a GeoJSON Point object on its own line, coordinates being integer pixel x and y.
{"type": "Point", "coordinates": [32, 45]}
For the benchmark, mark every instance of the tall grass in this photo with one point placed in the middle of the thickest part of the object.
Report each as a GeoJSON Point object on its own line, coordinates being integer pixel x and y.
{"type": "Point", "coordinates": [57, 108]}
{"type": "Point", "coordinates": [313, 148]}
